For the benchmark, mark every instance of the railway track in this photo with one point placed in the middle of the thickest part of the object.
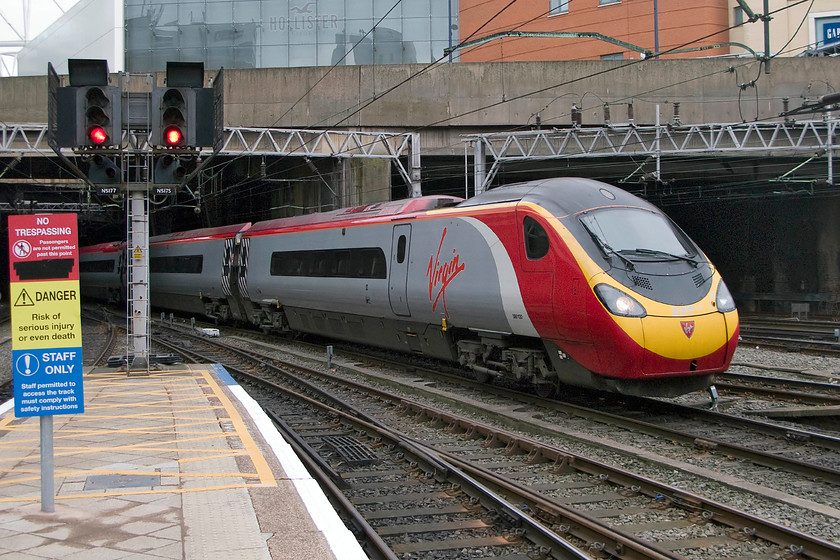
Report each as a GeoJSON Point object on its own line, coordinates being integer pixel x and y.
{"type": "Point", "coordinates": [782, 446]}
{"type": "Point", "coordinates": [101, 341]}
{"type": "Point", "coordinates": [380, 480]}
{"type": "Point", "coordinates": [601, 489]}
{"type": "Point", "coordinates": [812, 392]}
{"type": "Point", "coordinates": [661, 423]}
{"type": "Point", "coordinates": [792, 335]}
{"type": "Point", "coordinates": [787, 446]}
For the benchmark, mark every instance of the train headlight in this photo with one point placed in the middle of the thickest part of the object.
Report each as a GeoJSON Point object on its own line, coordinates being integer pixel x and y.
{"type": "Point", "coordinates": [618, 302]}
{"type": "Point", "coordinates": [724, 300]}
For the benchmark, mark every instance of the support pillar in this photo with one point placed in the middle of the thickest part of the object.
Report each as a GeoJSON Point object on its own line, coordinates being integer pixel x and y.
{"type": "Point", "coordinates": [480, 166]}
{"type": "Point", "coordinates": [138, 278]}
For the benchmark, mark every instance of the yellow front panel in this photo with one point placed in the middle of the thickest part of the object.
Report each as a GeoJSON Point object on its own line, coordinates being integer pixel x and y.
{"type": "Point", "coordinates": [685, 338]}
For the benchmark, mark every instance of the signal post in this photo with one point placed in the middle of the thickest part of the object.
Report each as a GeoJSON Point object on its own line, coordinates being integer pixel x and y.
{"type": "Point", "coordinates": [90, 117]}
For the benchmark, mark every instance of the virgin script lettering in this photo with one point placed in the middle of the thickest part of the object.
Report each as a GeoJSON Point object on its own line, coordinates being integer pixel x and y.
{"type": "Point", "coordinates": [441, 274]}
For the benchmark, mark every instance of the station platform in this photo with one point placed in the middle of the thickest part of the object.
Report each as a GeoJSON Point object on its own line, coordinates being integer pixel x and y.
{"type": "Point", "coordinates": [181, 463]}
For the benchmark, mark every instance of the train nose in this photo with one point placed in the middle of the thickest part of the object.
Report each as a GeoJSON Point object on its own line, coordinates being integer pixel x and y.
{"type": "Point", "coordinates": [692, 343]}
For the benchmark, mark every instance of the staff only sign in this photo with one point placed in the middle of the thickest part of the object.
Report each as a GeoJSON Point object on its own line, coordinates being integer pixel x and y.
{"type": "Point", "coordinates": [46, 317]}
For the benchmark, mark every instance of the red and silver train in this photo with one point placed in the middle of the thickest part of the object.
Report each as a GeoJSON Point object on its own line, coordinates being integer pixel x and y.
{"type": "Point", "coordinates": [563, 281]}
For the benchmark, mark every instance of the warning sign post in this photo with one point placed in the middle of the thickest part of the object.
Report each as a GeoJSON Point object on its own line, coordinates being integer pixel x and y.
{"type": "Point", "coordinates": [46, 326]}
{"type": "Point", "coordinates": [46, 316]}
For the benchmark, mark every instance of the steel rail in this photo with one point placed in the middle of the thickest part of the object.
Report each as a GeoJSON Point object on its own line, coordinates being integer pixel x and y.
{"type": "Point", "coordinates": [668, 409]}
{"type": "Point", "coordinates": [534, 531]}
{"type": "Point", "coordinates": [787, 389]}
{"type": "Point", "coordinates": [594, 532]}
{"type": "Point", "coordinates": [750, 525]}
{"type": "Point", "coordinates": [787, 538]}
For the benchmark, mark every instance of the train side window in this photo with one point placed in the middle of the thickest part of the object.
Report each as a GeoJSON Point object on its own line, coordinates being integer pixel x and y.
{"type": "Point", "coordinates": [536, 239]}
{"type": "Point", "coordinates": [308, 263]}
{"type": "Point", "coordinates": [342, 264]}
{"type": "Point", "coordinates": [401, 249]}
{"type": "Point", "coordinates": [379, 267]}
{"type": "Point", "coordinates": [324, 264]}
{"type": "Point", "coordinates": [194, 264]}
{"type": "Point", "coordinates": [275, 267]}
{"type": "Point", "coordinates": [374, 263]}
{"type": "Point", "coordinates": [339, 263]}
{"type": "Point", "coordinates": [97, 266]}
{"type": "Point", "coordinates": [191, 264]}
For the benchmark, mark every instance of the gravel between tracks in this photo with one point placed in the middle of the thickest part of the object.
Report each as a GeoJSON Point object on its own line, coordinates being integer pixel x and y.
{"type": "Point", "coordinates": [823, 524]}
{"type": "Point", "coordinates": [827, 368]}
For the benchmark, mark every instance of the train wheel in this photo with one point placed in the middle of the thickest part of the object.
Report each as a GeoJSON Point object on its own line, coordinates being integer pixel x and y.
{"type": "Point", "coordinates": [545, 390]}
{"type": "Point", "coordinates": [481, 376]}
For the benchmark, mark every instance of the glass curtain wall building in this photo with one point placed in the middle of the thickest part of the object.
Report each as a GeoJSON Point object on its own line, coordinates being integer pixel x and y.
{"type": "Point", "coordinates": [286, 33]}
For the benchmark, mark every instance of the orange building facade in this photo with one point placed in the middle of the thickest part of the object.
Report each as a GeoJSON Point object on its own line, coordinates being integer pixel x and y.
{"type": "Point", "coordinates": [679, 24]}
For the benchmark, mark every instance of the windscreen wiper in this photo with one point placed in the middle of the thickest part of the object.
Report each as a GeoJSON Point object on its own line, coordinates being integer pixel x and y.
{"type": "Point", "coordinates": [667, 254]}
{"type": "Point", "coordinates": [606, 249]}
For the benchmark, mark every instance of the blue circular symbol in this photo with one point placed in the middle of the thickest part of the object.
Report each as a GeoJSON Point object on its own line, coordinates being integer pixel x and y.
{"type": "Point", "coordinates": [27, 365]}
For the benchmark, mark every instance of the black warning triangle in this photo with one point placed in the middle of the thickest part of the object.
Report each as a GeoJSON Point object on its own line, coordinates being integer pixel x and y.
{"type": "Point", "coordinates": [24, 300]}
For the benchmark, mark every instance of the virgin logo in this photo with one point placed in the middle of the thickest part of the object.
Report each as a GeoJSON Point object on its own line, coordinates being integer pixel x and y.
{"type": "Point", "coordinates": [688, 328]}
{"type": "Point", "coordinates": [441, 274]}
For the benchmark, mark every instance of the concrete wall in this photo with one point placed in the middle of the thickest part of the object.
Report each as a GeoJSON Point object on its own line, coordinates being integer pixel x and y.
{"type": "Point", "coordinates": [451, 99]}
{"type": "Point", "coordinates": [507, 95]}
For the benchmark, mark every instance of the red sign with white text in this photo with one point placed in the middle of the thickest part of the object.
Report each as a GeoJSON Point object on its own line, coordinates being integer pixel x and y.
{"type": "Point", "coordinates": [43, 247]}
{"type": "Point", "coordinates": [46, 315]}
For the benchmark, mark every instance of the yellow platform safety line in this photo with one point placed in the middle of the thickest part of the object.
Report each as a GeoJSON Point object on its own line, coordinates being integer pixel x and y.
{"type": "Point", "coordinates": [251, 449]}
{"type": "Point", "coordinates": [264, 471]}
{"type": "Point", "coordinates": [152, 446]}
{"type": "Point", "coordinates": [158, 404]}
{"type": "Point", "coordinates": [25, 499]}
{"type": "Point", "coordinates": [6, 421]}
{"type": "Point", "coordinates": [145, 430]}
{"type": "Point", "coordinates": [61, 473]}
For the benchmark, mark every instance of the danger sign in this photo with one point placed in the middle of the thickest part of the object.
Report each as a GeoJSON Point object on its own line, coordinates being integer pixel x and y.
{"type": "Point", "coordinates": [46, 315]}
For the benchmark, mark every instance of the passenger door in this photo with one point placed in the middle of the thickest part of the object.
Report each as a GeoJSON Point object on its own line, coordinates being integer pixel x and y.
{"type": "Point", "coordinates": [537, 276]}
{"type": "Point", "coordinates": [398, 271]}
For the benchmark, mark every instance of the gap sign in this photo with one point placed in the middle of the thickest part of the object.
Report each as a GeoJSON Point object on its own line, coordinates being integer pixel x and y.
{"type": "Point", "coordinates": [46, 315]}
{"type": "Point", "coordinates": [831, 32]}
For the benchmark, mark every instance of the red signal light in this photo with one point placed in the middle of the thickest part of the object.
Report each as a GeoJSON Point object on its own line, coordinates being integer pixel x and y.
{"type": "Point", "coordinates": [98, 135]}
{"type": "Point", "coordinates": [172, 136]}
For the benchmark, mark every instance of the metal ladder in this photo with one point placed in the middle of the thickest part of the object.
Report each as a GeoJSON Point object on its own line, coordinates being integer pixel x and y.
{"type": "Point", "coordinates": [138, 309]}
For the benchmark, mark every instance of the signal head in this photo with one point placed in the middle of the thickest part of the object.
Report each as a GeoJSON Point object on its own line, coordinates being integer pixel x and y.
{"type": "Point", "coordinates": [172, 136]}
{"type": "Point", "coordinates": [173, 117]}
{"type": "Point", "coordinates": [97, 135]}
{"type": "Point", "coordinates": [98, 118]}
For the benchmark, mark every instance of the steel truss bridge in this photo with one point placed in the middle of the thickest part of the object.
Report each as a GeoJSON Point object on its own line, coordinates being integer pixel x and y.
{"type": "Point", "coordinates": [20, 140]}
{"type": "Point", "coordinates": [814, 140]}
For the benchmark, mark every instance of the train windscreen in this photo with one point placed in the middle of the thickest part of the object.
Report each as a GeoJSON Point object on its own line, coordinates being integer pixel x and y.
{"type": "Point", "coordinates": [633, 230]}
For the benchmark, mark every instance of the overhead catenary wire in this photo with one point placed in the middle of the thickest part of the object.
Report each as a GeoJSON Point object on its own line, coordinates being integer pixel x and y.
{"type": "Point", "coordinates": [410, 77]}
{"type": "Point", "coordinates": [372, 100]}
